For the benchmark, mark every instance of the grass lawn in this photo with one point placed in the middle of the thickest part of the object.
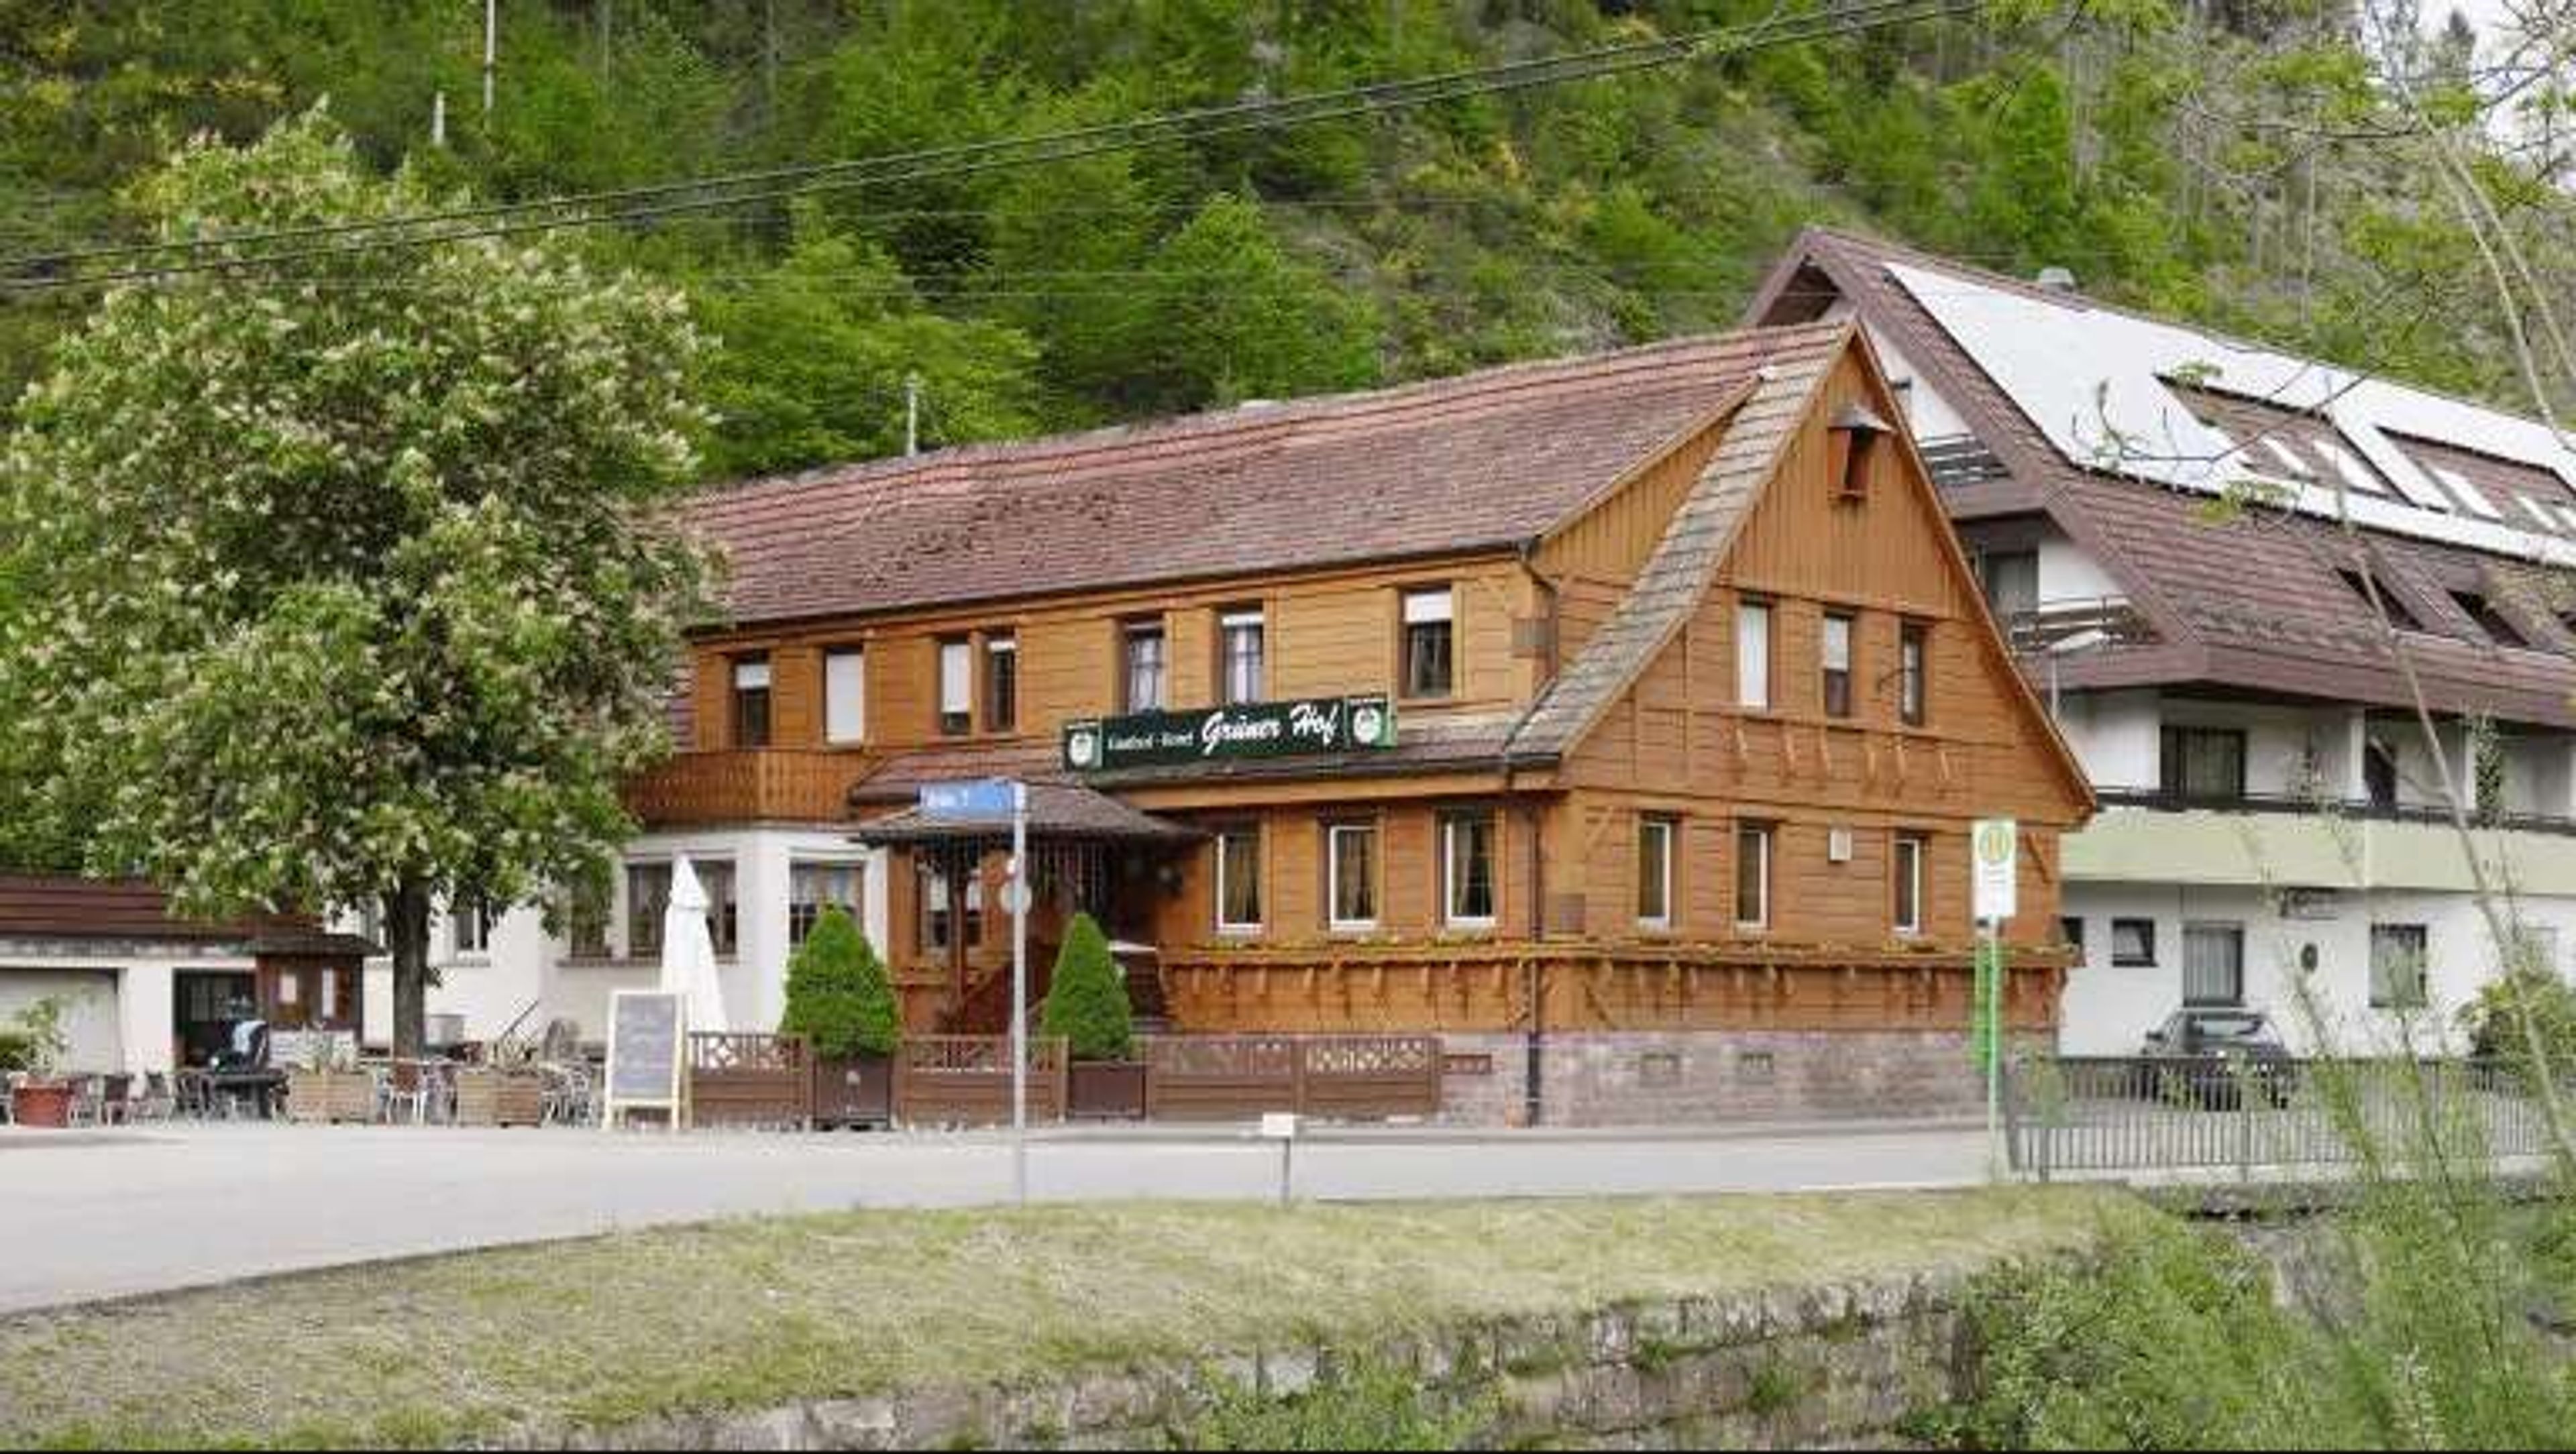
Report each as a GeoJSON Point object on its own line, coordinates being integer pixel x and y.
{"type": "Point", "coordinates": [760, 1313]}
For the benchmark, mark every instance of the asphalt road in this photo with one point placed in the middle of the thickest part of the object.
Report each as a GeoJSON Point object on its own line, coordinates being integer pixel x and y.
{"type": "Point", "coordinates": [116, 1214]}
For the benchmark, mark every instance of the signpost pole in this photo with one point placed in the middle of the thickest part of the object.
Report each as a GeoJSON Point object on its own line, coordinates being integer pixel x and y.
{"type": "Point", "coordinates": [1020, 896]}
{"type": "Point", "coordinates": [1995, 869]}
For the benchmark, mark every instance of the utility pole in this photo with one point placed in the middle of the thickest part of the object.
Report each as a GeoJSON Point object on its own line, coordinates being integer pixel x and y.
{"type": "Point", "coordinates": [912, 414]}
{"type": "Point", "coordinates": [438, 119]}
{"type": "Point", "coordinates": [1018, 893]}
{"type": "Point", "coordinates": [491, 48]}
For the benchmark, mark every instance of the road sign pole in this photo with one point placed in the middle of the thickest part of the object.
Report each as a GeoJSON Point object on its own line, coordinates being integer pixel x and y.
{"type": "Point", "coordinates": [1020, 897]}
{"type": "Point", "coordinates": [1990, 957]}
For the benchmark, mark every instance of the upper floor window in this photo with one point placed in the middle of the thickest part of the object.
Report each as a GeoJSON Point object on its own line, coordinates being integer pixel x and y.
{"type": "Point", "coordinates": [1908, 867]}
{"type": "Point", "coordinates": [845, 695]}
{"type": "Point", "coordinates": [1242, 651]}
{"type": "Point", "coordinates": [1467, 878]}
{"type": "Point", "coordinates": [2203, 762]}
{"type": "Point", "coordinates": [1655, 873]}
{"type": "Point", "coordinates": [2011, 579]}
{"type": "Point", "coordinates": [1001, 682]}
{"type": "Point", "coordinates": [1836, 650]}
{"type": "Point", "coordinates": [2379, 773]}
{"type": "Point", "coordinates": [1429, 630]}
{"type": "Point", "coordinates": [1753, 655]}
{"type": "Point", "coordinates": [1238, 879]}
{"type": "Point", "coordinates": [1753, 876]}
{"type": "Point", "coordinates": [956, 686]}
{"type": "Point", "coordinates": [751, 701]}
{"type": "Point", "coordinates": [1913, 673]}
{"type": "Point", "coordinates": [1145, 666]}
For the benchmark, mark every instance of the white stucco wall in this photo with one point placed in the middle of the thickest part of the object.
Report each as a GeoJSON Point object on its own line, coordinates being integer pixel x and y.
{"type": "Point", "coordinates": [2108, 1009]}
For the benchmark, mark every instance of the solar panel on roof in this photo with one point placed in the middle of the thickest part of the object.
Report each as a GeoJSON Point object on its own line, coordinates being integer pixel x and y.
{"type": "Point", "coordinates": [2356, 475]}
{"type": "Point", "coordinates": [2465, 492]}
{"type": "Point", "coordinates": [2299, 468]}
{"type": "Point", "coordinates": [2547, 521]}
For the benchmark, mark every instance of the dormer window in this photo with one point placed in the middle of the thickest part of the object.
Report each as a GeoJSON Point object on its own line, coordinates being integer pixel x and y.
{"type": "Point", "coordinates": [1855, 433]}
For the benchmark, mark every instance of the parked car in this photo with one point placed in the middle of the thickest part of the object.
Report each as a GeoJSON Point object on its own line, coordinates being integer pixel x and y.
{"type": "Point", "coordinates": [2208, 1057]}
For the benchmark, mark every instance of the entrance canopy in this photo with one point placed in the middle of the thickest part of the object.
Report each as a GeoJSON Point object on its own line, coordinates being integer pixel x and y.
{"type": "Point", "coordinates": [1058, 812]}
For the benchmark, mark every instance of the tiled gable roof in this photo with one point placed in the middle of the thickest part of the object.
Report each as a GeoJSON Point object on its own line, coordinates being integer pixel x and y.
{"type": "Point", "coordinates": [1486, 460]}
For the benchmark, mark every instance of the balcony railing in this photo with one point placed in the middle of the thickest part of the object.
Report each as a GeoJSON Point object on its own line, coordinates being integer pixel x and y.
{"type": "Point", "coordinates": [2089, 622]}
{"type": "Point", "coordinates": [2161, 801]}
{"type": "Point", "coordinates": [1961, 459]}
{"type": "Point", "coordinates": [768, 784]}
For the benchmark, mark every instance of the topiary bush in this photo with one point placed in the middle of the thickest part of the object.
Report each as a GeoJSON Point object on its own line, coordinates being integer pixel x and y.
{"type": "Point", "coordinates": [1087, 1003]}
{"type": "Point", "coordinates": [838, 995]}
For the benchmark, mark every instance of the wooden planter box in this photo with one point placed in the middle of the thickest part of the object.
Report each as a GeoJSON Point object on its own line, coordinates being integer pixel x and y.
{"type": "Point", "coordinates": [1106, 1090]}
{"type": "Point", "coordinates": [857, 1091]}
{"type": "Point", "coordinates": [321, 1097]}
{"type": "Point", "coordinates": [499, 1098]}
{"type": "Point", "coordinates": [43, 1104]}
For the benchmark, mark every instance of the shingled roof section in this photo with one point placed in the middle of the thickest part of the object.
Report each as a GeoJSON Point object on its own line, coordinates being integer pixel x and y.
{"type": "Point", "coordinates": [1484, 460]}
{"type": "Point", "coordinates": [1695, 544]}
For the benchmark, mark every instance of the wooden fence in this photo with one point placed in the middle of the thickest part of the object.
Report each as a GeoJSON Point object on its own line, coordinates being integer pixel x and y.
{"type": "Point", "coordinates": [965, 1080]}
{"type": "Point", "coordinates": [750, 1080]}
{"type": "Point", "coordinates": [1331, 1077]}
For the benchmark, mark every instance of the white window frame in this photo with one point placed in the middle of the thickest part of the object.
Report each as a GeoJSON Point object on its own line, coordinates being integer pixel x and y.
{"type": "Point", "coordinates": [1129, 634]}
{"type": "Point", "coordinates": [1449, 882]}
{"type": "Point", "coordinates": [957, 680]}
{"type": "Point", "coordinates": [1664, 829]}
{"type": "Point", "coordinates": [1909, 850]}
{"type": "Point", "coordinates": [845, 695]}
{"type": "Point", "coordinates": [1761, 835]}
{"type": "Point", "coordinates": [1753, 655]}
{"type": "Point", "coordinates": [802, 869]}
{"type": "Point", "coordinates": [1844, 625]}
{"type": "Point", "coordinates": [1224, 870]}
{"type": "Point", "coordinates": [1227, 624]}
{"type": "Point", "coordinates": [1333, 878]}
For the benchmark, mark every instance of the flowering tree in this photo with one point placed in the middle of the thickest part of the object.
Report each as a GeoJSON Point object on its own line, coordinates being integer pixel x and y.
{"type": "Point", "coordinates": [347, 580]}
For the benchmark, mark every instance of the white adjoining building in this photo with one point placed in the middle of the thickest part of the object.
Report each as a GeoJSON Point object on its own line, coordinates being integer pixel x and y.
{"type": "Point", "coordinates": [2159, 515]}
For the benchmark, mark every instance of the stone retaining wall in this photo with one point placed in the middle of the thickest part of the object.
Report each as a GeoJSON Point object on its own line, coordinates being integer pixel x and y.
{"type": "Point", "coordinates": [1834, 1365]}
{"type": "Point", "coordinates": [1700, 1077]}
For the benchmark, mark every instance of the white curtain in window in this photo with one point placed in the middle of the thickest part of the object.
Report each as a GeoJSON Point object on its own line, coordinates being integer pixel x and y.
{"type": "Point", "coordinates": [956, 677]}
{"type": "Point", "coordinates": [845, 688]}
{"type": "Point", "coordinates": [1753, 655]}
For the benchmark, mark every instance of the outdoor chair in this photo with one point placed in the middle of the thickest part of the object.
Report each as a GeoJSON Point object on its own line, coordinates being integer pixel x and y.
{"type": "Point", "coordinates": [158, 1102]}
{"type": "Point", "coordinates": [86, 1105]}
{"type": "Point", "coordinates": [407, 1092]}
{"type": "Point", "coordinates": [116, 1100]}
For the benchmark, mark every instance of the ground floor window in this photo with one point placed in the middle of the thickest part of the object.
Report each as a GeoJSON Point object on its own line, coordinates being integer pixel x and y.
{"type": "Point", "coordinates": [473, 928]}
{"type": "Point", "coordinates": [936, 914]}
{"type": "Point", "coordinates": [1909, 883]}
{"type": "Point", "coordinates": [648, 898]}
{"type": "Point", "coordinates": [2213, 964]}
{"type": "Point", "coordinates": [1655, 873]}
{"type": "Point", "coordinates": [2398, 974]}
{"type": "Point", "coordinates": [1753, 875]}
{"type": "Point", "coordinates": [1467, 887]}
{"type": "Point", "coordinates": [1238, 879]}
{"type": "Point", "coordinates": [2133, 943]}
{"type": "Point", "coordinates": [814, 887]}
{"type": "Point", "coordinates": [1351, 867]}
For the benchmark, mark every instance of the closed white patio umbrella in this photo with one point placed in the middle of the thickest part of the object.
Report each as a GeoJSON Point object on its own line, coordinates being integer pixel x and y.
{"type": "Point", "coordinates": [689, 952]}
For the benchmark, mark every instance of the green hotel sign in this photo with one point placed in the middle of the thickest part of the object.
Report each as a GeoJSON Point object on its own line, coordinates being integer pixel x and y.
{"type": "Point", "coordinates": [1251, 729]}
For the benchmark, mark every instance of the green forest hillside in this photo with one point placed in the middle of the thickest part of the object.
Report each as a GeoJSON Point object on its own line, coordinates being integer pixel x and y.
{"type": "Point", "coordinates": [2124, 142]}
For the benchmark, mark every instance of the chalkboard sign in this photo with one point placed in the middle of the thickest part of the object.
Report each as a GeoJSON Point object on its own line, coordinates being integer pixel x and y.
{"type": "Point", "coordinates": [645, 1037]}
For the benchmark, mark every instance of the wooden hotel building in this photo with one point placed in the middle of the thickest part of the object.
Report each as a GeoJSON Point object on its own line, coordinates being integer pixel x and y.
{"type": "Point", "coordinates": [1620, 720]}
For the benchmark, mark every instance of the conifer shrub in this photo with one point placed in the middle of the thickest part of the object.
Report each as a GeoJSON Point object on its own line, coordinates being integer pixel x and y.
{"type": "Point", "coordinates": [1087, 1003]}
{"type": "Point", "coordinates": [838, 995]}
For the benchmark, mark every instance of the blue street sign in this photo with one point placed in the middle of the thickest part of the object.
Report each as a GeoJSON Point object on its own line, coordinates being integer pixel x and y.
{"type": "Point", "coordinates": [978, 798]}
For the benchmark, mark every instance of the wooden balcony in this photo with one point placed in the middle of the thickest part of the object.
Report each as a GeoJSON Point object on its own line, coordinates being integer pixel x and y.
{"type": "Point", "coordinates": [757, 785]}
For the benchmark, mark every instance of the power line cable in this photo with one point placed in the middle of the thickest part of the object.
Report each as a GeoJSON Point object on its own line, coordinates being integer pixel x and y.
{"type": "Point", "coordinates": [498, 220]}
